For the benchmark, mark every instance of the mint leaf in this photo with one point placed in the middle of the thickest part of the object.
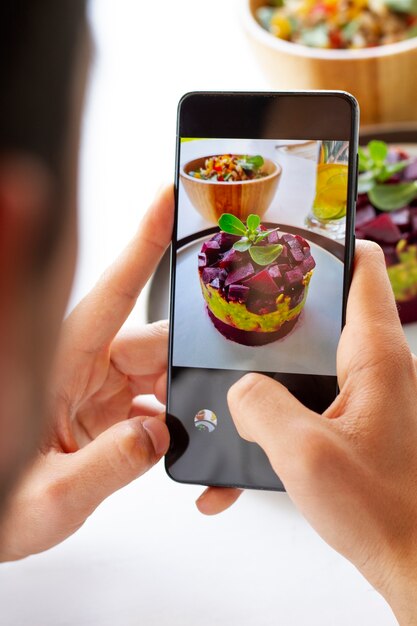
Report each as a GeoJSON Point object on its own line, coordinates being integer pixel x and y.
{"type": "Point", "coordinates": [253, 222]}
{"type": "Point", "coordinates": [263, 255]}
{"type": "Point", "coordinates": [251, 163]}
{"type": "Point", "coordinates": [231, 224]}
{"type": "Point", "coordinates": [392, 197]}
{"type": "Point", "coordinates": [390, 169]}
{"type": "Point", "coordinates": [378, 151]}
{"type": "Point", "coordinates": [242, 245]}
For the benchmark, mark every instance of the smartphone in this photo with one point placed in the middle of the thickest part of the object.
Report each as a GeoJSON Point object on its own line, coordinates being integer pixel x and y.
{"type": "Point", "coordinates": [261, 261]}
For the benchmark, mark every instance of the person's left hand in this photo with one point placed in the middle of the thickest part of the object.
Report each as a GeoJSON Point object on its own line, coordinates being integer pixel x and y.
{"type": "Point", "coordinates": [102, 433]}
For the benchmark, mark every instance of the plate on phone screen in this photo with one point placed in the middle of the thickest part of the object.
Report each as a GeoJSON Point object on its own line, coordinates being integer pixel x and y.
{"type": "Point", "coordinates": [310, 346]}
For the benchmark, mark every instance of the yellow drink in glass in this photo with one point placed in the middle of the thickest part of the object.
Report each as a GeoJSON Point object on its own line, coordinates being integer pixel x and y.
{"type": "Point", "coordinates": [331, 192]}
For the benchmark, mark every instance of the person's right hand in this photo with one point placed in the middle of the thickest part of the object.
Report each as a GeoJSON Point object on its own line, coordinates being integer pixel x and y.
{"type": "Point", "coordinates": [352, 471]}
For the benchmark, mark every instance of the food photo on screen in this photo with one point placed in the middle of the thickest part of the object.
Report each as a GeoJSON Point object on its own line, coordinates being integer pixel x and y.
{"type": "Point", "coordinates": [259, 254]}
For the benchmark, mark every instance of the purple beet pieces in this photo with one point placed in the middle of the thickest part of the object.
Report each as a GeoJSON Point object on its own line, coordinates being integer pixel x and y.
{"type": "Point", "coordinates": [212, 250]}
{"type": "Point", "coordinates": [209, 274]}
{"type": "Point", "coordinates": [275, 273]}
{"type": "Point", "coordinates": [308, 264]}
{"type": "Point", "coordinates": [297, 295]}
{"type": "Point", "coordinates": [231, 258]}
{"type": "Point", "coordinates": [293, 277]}
{"type": "Point", "coordinates": [239, 274]}
{"type": "Point", "coordinates": [225, 240]}
{"type": "Point", "coordinates": [382, 229]}
{"type": "Point", "coordinates": [263, 282]}
{"type": "Point", "coordinates": [273, 237]}
{"type": "Point", "coordinates": [364, 214]}
{"type": "Point", "coordinates": [202, 259]}
{"type": "Point", "coordinates": [296, 255]}
{"type": "Point", "coordinates": [238, 293]}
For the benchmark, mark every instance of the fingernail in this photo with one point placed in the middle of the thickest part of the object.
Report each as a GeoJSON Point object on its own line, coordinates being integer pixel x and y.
{"type": "Point", "coordinates": [158, 433]}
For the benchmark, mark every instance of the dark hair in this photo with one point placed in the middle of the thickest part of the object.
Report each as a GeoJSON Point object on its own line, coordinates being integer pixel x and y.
{"type": "Point", "coordinates": [39, 41]}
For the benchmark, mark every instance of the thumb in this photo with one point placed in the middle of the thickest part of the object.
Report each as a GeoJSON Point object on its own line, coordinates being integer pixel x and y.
{"type": "Point", "coordinates": [265, 412]}
{"type": "Point", "coordinates": [117, 456]}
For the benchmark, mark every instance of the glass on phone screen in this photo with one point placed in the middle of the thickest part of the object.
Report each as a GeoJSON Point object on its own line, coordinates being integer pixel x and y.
{"type": "Point", "coordinates": [258, 268]}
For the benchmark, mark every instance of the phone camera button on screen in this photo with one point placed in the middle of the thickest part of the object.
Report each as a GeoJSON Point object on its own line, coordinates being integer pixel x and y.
{"type": "Point", "coordinates": [205, 420]}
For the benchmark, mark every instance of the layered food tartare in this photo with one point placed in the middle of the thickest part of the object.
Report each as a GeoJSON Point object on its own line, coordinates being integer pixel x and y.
{"type": "Point", "coordinates": [254, 280]}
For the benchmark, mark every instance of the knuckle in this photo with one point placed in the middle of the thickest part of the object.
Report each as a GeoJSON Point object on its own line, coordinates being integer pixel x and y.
{"type": "Point", "coordinates": [317, 453]}
{"type": "Point", "coordinates": [133, 449]}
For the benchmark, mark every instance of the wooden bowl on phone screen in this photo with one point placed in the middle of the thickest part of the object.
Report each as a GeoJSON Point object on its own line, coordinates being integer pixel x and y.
{"type": "Point", "coordinates": [211, 198]}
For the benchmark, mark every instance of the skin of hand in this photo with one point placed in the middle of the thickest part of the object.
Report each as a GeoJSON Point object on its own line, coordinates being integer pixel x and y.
{"type": "Point", "coordinates": [101, 435]}
{"type": "Point", "coordinates": [352, 471]}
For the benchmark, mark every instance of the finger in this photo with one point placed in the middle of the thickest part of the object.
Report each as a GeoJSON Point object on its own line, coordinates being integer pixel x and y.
{"type": "Point", "coordinates": [141, 351]}
{"type": "Point", "coordinates": [147, 405]}
{"type": "Point", "coordinates": [115, 458]}
{"type": "Point", "coordinates": [160, 389]}
{"type": "Point", "coordinates": [99, 316]}
{"type": "Point", "coordinates": [265, 411]}
{"type": "Point", "coordinates": [217, 499]}
{"type": "Point", "coordinates": [373, 334]}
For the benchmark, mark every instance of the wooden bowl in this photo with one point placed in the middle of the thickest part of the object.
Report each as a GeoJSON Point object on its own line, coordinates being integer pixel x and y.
{"type": "Point", "coordinates": [383, 78]}
{"type": "Point", "coordinates": [241, 198]}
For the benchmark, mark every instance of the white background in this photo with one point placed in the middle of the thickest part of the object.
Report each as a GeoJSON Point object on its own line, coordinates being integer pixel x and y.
{"type": "Point", "coordinates": [146, 557]}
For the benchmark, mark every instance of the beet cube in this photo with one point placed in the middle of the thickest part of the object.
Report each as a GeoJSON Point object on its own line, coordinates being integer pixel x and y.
{"type": "Point", "coordinates": [263, 282]}
{"type": "Point", "coordinates": [293, 243]}
{"type": "Point", "coordinates": [238, 293]}
{"type": "Point", "coordinates": [296, 297]}
{"type": "Point", "coordinates": [231, 258]}
{"type": "Point", "coordinates": [382, 229]}
{"type": "Point", "coordinates": [212, 250]}
{"type": "Point", "coordinates": [293, 277]}
{"type": "Point", "coordinates": [284, 268]}
{"type": "Point", "coordinates": [401, 218]}
{"type": "Point", "coordinates": [275, 273]}
{"type": "Point", "coordinates": [273, 237]}
{"type": "Point", "coordinates": [209, 274]}
{"type": "Point", "coordinates": [296, 255]}
{"type": "Point", "coordinates": [307, 252]}
{"type": "Point", "coordinates": [308, 264]}
{"type": "Point", "coordinates": [262, 306]}
{"type": "Point", "coordinates": [210, 245]}
{"type": "Point", "coordinates": [225, 240]}
{"type": "Point", "coordinates": [239, 274]}
{"type": "Point", "coordinates": [364, 214]}
{"type": "Point", "coordinates": [303, 243]}
{"type": "Point", "coordinates": [202, 259]}
{"type": "Point", "coordinates": [287, 237]}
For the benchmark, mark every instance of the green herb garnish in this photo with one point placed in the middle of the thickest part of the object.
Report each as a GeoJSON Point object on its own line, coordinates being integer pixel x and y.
{"type": "Point", "coordinates": [392, 197]}
{"type": "Point", "coordinates": [375, 169]}
{"type": "Point", "coordinates": [251, 235]}
{"type": "Point", "coordinates": [251, 163]}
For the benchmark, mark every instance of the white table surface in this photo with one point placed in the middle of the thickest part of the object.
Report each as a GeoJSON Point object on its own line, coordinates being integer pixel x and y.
{"type": "Point", "coordinates": [146, 557]}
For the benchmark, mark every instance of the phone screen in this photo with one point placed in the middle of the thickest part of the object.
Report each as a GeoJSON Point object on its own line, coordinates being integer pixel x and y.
{"type": "Point", "coordinates": [258, 284]}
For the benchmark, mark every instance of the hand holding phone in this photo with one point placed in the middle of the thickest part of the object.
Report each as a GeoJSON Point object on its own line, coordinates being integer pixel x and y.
{"type": "Point", "coordinates": [351, 471]}
{"type": "Point", "coordinates": [261, 263]}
